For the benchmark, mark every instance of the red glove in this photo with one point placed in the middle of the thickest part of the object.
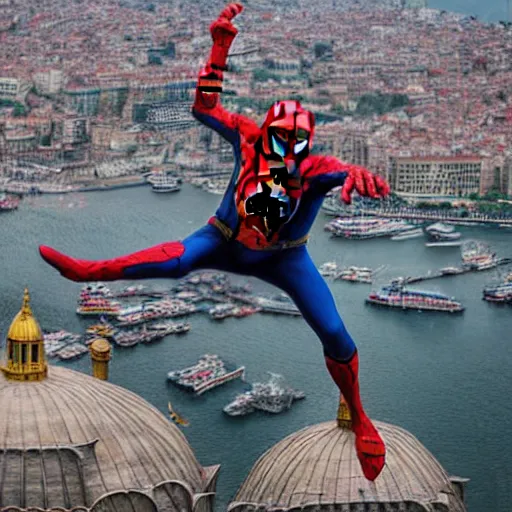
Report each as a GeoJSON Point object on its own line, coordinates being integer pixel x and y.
{"type": "Point", "coordinates": [366, 184]}
{"type": "Point", "coordinates": [223, 32]}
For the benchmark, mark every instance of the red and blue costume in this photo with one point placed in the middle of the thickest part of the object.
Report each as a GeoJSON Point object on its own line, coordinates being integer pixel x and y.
{"type": "Point", "coordinates": [261, 226]}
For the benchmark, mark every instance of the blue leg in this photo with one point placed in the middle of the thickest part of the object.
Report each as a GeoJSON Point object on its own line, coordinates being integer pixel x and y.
{"type": "Point", "coordinates": [202, 249]}
{"type": "Point", "coordinates": [294, 272]}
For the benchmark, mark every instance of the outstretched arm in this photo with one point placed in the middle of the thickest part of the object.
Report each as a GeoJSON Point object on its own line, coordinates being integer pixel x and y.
{"type": "Point", "coordinates": [322, 173]}
{"type": "Point", "coordinates": [207, 107]}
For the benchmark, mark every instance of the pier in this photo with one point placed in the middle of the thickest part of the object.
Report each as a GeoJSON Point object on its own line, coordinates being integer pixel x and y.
{"type": "Point", "coordinates": [456, 271]}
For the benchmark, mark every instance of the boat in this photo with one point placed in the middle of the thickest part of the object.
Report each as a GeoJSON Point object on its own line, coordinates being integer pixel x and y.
{"type": "Point", "coordinates": [176, 417]}
{"type": "Point", "coordinates": [221, 311]}
{"type": "Point", "coordinates": [280, 304]}
{"type": "Point", "coordinates": [355, 275]}
{"type": "Point", "coordinates": [477, 255]}
{"type": "Point", "coordinates": [328, 269]}
{"type": "Point", "coordinates": [453, 243]}
{"type": "Point", "coordinates": [366, 228]}
{"type": "Point", "coordinates": [501, 292]}
{"type": "Point", "coordinates": [397, 296]}
{"type": "Point", "coordinates": [163, 183]}
{"type": "Point", "coordinates": [208, 373]}
{"type": "Point", "coordinates": [8, 203]}
{"type": "Point", "coordinates": [93, 290]}
{"type": "Point", "coordinates": [273, 397]}
{"type": "Point", "coordinates": [440, 232]}
{"type": "Point", "coordinates": [55, 341]}
{"type": "Point", "coordinates": [132, 291]}
{"type": "Point", "coordinates": [103, 329]}
{"type": "Point", "coordinates": [73, 351]}
{"type": "Point", "coordinates": [406, 235]}
{"type": "Point", "coordinates": [98, 306]}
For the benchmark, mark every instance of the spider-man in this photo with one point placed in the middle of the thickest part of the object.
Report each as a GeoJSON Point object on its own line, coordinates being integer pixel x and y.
{"type": "Point", "coordinates": [261, 226]}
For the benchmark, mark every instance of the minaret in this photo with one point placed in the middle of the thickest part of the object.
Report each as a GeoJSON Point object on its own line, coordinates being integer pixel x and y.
{"type": "Point", "coordinates": [100, 356]}
{"type": "Point", "coordinates": [25, 355]}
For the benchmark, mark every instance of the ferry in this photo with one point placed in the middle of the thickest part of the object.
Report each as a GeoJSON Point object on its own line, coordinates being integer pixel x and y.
{"type": "Point", "coordinates": [99, 307]}
{"type": "Point", "coordinates": [366, 228]}
{"type": "Point", "coordinates": [499, 293]}
{"type": "Point", "coordinates": [395, 295]}
{"type": "Point", "coordinates": [163, 183]}
{"type": "Point", "coordinates": [441, 232]}
{"type": "Point", "coordinates": [273, 397]}
{"type": "Point", "coordinates": [208, 373]}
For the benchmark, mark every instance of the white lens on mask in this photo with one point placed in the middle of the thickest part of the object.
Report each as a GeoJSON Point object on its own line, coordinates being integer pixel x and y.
{"type": "Point", "coordinates": [300, 146]}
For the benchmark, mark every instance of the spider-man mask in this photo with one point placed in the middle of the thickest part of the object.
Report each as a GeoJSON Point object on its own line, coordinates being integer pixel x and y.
{"type": "Point", "coordinates": [287, 137]}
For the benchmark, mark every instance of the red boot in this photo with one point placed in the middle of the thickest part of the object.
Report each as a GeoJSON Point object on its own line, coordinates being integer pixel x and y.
{"type": "Point", "coordinates": [110, 270]}
{"type": "Point", "coordinates": [370, 448]}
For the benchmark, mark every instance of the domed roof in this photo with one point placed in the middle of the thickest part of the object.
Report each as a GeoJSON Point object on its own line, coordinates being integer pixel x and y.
{"type": "Point", "coordinates": [25, 327]}
{"type": "Point", "coordinates": [75, 441]}
{"type": "Point", "coordinates": [317, 468]}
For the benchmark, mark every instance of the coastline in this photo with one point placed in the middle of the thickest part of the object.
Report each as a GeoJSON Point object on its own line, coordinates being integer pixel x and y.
{"type": "Point", "coordinates": [21, 188]}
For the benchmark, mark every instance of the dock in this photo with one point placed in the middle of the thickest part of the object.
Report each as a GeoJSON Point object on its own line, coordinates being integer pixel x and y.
{"type": "Point", "coordinates": [457, 271]}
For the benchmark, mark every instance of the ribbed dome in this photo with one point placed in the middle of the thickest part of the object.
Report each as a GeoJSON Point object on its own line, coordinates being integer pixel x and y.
{"type": "Point", "coordinates": [25, 327]}
{"type": "Point", "coordinates": [317, 468]}
{"type": "Point", "coordinates": [71, 439]}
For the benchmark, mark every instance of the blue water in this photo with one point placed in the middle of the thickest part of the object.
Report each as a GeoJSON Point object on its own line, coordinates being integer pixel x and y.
{"type": "Point", "coordinates": [445, 378]}
{"type": "Point", "coordinates": [490, 11]}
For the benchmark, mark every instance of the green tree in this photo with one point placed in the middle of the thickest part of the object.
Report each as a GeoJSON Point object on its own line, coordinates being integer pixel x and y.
{"type": "Point", "coordinates": [322, 49]}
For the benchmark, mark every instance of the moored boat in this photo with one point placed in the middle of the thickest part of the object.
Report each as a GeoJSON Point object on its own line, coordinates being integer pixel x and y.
{"type": "Point", "coordinates": [209, 372]}
{"type": "Point", "coordinates": [397, 296]}
{"type": "Point", "coordinates": [273, 397]}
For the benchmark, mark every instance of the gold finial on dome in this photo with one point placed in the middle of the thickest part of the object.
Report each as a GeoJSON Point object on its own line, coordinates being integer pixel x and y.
{"type": "Point", "coordinates": [344, 419]}
{"type": "Point", "coordinates": [25, 355]}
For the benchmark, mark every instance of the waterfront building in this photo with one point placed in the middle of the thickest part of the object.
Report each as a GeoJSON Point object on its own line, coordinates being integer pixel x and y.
{"type": "Point", "coordinates": [9, 88]}
{"type": "Point", "coordinates": [82, 99]}
{"type": "Point", "coordinates": [424, 176]}
{"type": "Point", "coordinates": [74, 442]}
{"type": "Point", "coordinates": [49, 81]}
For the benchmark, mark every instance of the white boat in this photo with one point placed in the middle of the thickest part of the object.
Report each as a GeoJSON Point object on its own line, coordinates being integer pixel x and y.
{"type": "Point", "coordinates": [441, 232]}
{"type": "Point", "coordinates": [163, 183]}
{"type": "Point", "coordinates": [454, 243]}
{"type": "Point", "coordinates": [406, 235]}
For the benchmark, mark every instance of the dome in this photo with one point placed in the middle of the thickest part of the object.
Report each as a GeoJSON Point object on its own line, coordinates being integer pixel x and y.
{"type": "Point", "coordinates": [74, 442]}
{"type": "Point", "coordinates": [25, 327]}
{"type": "Point", "coordinates": [317, 469]}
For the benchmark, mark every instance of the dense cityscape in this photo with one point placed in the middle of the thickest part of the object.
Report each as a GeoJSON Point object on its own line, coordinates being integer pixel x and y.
{"type": "Point", "coordinates": [102, 90]}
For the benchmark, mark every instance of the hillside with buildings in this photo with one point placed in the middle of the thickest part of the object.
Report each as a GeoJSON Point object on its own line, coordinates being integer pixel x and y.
{"type": "Point", "coordinates": [98, 89]}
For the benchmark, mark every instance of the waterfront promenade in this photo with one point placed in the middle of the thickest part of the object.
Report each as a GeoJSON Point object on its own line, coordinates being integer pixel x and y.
{"type": "Point", "coordinates": [472, 219]}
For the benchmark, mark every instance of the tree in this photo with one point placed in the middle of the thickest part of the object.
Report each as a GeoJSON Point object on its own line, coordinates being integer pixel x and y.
{"type": "Point", "coordinates": [322, 50]}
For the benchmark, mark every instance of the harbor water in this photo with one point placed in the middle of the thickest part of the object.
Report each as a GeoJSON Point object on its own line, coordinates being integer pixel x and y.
{"type": "Point", "coordinates": [445, 378]}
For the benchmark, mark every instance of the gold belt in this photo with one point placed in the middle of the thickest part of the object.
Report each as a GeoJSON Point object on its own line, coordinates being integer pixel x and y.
{"type": "Point", "coordinates": [287, 244]}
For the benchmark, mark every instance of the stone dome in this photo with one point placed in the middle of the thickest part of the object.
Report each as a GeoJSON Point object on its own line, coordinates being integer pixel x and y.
{"type": "Point", "coordinates": [72, 442]}
{"type": "Point", "coordinates": [317, 469]}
